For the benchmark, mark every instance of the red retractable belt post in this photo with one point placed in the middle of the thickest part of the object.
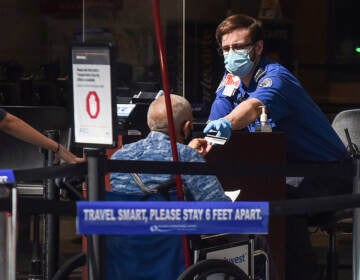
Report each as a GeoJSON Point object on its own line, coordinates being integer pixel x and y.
{"type": "Point", "coordinates": [166, 87]}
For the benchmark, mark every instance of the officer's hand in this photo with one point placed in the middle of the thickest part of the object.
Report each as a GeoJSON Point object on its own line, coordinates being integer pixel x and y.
{"type": "Point", "coordinates": [222, 126]}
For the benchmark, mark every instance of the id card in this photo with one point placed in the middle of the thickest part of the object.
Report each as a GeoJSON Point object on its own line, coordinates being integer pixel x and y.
{"type": "Point", "coordinates": [231, 84]}
{"type": "Point", "coordinates": [215, 139]}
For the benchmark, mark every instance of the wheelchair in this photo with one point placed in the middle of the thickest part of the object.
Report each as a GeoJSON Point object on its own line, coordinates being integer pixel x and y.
{"type": "Point", "coordinates": [227, 256]}
{"type": "Point", "coordinates": [215, 256]}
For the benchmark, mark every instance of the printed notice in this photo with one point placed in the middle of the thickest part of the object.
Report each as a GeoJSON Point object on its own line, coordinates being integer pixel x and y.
{"type": "Point", "coordinates": [172, 217]}
{"type": "Point", "coordinates": [92, 95]}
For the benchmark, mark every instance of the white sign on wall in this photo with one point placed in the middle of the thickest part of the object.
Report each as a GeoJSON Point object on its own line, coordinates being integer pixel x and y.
{"type": "Point", "coordinates": [93, 116]}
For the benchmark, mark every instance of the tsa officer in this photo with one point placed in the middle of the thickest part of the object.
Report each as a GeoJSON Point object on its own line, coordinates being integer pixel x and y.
{"type": "Point", "coordinates": [252, 81]}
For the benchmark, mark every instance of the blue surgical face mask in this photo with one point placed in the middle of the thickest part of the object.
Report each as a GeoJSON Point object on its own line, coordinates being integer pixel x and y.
{"type": "Point", "coordinates": [238, 64]}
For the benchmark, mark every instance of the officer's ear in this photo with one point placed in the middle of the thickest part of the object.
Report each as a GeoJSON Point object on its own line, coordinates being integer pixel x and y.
{"type": "Point", "coordinates": [259, 47]}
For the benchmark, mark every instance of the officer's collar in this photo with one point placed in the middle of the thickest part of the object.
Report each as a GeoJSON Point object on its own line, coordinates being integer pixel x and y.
{"type": "Point", "coordinates": [259, 74]}
{"type": "Point", "coordinates": [260, 71]}
{"type": "Point", "coordinates": [256, 74]}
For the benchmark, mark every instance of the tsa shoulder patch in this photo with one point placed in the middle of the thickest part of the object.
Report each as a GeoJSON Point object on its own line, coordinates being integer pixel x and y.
{"type": "Point", "coordinates": [267, 82]}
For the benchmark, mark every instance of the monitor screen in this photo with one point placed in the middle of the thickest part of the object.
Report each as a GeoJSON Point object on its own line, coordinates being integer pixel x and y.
{"type": "Point", "coordinates": [124, 110]}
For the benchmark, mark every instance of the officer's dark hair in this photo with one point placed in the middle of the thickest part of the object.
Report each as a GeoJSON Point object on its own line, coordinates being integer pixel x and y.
{"type": "Point", "coordinates": [240, 21]}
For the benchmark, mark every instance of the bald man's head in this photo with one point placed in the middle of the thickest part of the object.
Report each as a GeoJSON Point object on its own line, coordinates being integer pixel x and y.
{"type": "Point", "coordinates": [157, 117]}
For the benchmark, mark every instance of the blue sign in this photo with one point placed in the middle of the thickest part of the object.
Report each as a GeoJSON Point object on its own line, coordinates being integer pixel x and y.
{"type": "Point", "coordinates": [161, 217]}
{"type": "Point", "coordinates": [7, 176]}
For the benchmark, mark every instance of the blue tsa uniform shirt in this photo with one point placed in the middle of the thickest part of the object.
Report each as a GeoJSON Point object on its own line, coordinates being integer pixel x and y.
{"type": "Point", "coordinates": [309, 135]}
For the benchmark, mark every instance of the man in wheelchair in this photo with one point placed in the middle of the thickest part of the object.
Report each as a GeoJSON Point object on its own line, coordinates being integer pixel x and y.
{"type": "Point", "coordinates": [158, 256]}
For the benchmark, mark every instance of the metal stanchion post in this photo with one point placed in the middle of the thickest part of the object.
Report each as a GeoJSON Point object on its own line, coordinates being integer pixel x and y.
{"type": "Point", "coordinates": [3, 235]}
{"type": "Point", "coordinates": [51, 233]}
{"type": "Point", "coordinates": [356, 224]}
{"type": "Point", "coordinates": [96, 191]}
{"type": "Point", "coordinates": [12, 233]}
{"type": "Point", "coordinates": [8, 246]}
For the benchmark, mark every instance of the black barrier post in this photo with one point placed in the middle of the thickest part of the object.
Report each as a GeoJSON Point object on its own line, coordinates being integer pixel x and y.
{"type": "Point", "coordinates": [356, 223]}
{"type": "Point", "coordinates": [96, 191]}
{"type": "Point", "coordinates": [51, 232]}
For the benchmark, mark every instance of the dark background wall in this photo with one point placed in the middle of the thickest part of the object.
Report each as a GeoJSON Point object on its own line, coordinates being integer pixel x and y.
{"type": "Point", "coordinates": [37, 35]}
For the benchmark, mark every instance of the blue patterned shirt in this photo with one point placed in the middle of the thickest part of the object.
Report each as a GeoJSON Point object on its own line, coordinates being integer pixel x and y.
{"type": "Point", "coordinates": [157, 147]}
{"type": "Point", "coordinates": [2, 114]}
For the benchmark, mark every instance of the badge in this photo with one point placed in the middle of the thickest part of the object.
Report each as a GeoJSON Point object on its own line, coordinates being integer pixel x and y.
{"type": "Point", "coordinates": [229, 91]}
{"type": "Point", "coordinates": [231, 84]}
{"type": "Point", "coordinates": [267, 82]}
{"type": "Point", "coordinates": [231, 80]}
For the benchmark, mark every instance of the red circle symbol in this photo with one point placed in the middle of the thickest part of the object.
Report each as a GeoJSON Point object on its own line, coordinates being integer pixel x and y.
{"type": "Point", "coordinates": [92, 104]}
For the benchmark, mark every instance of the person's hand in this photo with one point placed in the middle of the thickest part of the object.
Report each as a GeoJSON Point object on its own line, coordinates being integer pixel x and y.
{"type": "Point", "coordinates": [67, 156]}
{"type": "Point", "coordinates": [222, 126]}
{"type": "Point", "coordinates": [200, 145]}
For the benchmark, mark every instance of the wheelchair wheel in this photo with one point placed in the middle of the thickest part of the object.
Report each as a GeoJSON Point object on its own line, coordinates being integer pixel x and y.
{"type": "Point", "coordinates": [69, 266]}
{"type": "Point", "coordinates": [205, 268]}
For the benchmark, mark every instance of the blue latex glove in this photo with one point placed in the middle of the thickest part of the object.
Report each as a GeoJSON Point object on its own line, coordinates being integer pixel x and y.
{"type": "Point", "coordinates": [222, 126]}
